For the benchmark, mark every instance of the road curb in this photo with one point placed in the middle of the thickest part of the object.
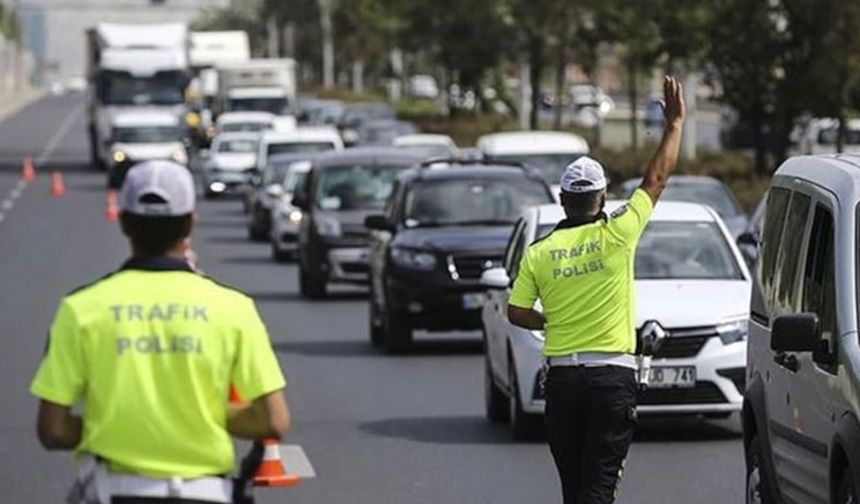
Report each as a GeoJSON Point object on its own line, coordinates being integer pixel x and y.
{"type": "Point", "coordinates": [11, 103]}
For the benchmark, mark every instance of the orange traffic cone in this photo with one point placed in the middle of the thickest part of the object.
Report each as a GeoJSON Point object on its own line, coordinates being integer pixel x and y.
{"type": "Point", "coordinates": [28, 171]}
{"type": "Point", "coordinates": [58, 188]}
{"type": "Point", "coordinates": [271, 472]}
{"type": "Point", "coordinates": [112, 207]}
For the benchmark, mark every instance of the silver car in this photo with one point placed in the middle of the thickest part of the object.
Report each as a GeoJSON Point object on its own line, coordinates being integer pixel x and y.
{"type": "Point", "coordinates": [802, 403]}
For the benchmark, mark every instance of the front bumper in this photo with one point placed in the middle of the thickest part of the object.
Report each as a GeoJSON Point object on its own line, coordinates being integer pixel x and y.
{"type": "Point", "coordinates": [719, 379]}
{"type": "Point", "coordinates": [225, 182]}
{"type": "Point", "coordinates": [433, 301]}
{"type": "Point", "coordinates": [348, 265]}
{"type": "Point", "coordinates": [285, 234]}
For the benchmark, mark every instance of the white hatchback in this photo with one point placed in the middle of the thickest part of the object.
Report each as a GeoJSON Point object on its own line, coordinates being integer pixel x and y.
{"type": "Point", "coordinates": [691, 282]}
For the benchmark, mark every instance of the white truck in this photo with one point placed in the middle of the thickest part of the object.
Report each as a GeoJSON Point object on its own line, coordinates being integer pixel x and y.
{"type": "Point", "coordinates": [263, 85]}
{"type": "Point", "coordinates": [133, 65]}
{"type": "Point", "coordinates": [209, 50]}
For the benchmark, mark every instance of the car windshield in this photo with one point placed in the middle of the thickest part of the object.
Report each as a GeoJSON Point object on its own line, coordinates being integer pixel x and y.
{"type": "Point", "coordinates": [685, 251]}
{"type": "Point", "coordinates": [713, 195]}
{"type": "Point", "coordinates": [244, 146]}
{"type": "Point", "coordinates": [293, 179]}
{"type": "Point", "coordinates": [147, 134]}
{"type": "Point", "coordinates": [465, 201]}
{"type": "Point", "coordinates": [298, 147]}
{"type": "Point", "coordinates": [356, 187]}
{"type": "Point", "coordinates": [276, 106]}
{"type": "Point", "coordinates": [550, 166]}
{"type": "Point", "coordinates": [121, 88]}
{"type": "Point", "coordinates": [252, 127]}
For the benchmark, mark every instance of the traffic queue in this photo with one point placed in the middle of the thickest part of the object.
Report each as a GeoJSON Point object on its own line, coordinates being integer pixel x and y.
{"type": "Point", "coordinates": [436, 233]}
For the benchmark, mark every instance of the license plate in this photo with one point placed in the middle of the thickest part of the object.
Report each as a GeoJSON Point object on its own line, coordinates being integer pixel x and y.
{"type": "Point", "coordinates": [672, 377]}
{"type": "Point", "coordinates": [473, 300]}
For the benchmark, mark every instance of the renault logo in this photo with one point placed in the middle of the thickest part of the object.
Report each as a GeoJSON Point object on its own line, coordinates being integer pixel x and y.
{"type": "Point", "coordinates": [652, 329]}
{"type": "Point", "coordinates": [651, 338]}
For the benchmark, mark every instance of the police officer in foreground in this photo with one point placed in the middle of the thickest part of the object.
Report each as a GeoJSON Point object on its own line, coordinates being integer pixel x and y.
{"type": "Point", "coordinates": [150, 352]}
{"type": "Point", "coordinates": [582, 273]}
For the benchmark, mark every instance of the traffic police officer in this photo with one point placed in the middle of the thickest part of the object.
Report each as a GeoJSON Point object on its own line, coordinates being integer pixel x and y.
{"type": "Point", "coordinates": [150, 353]}
{"type": "Point", "coordinates": [582, 273]}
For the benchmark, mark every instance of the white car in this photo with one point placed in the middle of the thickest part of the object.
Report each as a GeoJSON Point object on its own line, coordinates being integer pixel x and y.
{"type": "Point", "coordinates": [691, 282]}
{"type": "Point", "coordinates": [144, 135]}
{"type": "Point", "coordinates": [230, 163]}
{"type": "Point", "coordinates": [820, 135]}
{"type": "Point", "coordinates": [302, 140]}
{"type": "Point", "coordinates": [286, 218]}
{"type": "Point", "coordinates": [434, 145]}
{"type": "Point", "coordinates": [547, 151]}
{"type": "Point", "coordinates": [234, 122]}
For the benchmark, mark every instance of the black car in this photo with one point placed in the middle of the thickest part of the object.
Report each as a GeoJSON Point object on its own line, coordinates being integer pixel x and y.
{"type": "Point", "coordinates": [264, 190]}
{"type": "Point", "coordinates": [440, 230]}
{"type": "Point", "coordinates": [340, 190]}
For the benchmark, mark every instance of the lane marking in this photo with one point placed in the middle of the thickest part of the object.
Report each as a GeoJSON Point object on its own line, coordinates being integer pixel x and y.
{"type": "Point", "coordinates": [59, 134]}
{"type": "Point", "coordinates": [50, 147]}
{"type": "Point", "coordinates": [296, 461]}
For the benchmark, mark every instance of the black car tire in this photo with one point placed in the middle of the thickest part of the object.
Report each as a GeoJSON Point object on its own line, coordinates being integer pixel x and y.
{"type": "Point", "coordinates": [495, 400]}
{"type": "Point", "coordinates": [845, 492]}
{"type": "Point", "coordinates": [757, 491]}
{"type": "Point", "coordinates": [398, 332]}
{"type": "Point", "coordinates": [375, 327]}
{"type": "Point", "coordinates": [311, 285]}
{"type": "Point", "coordinates": [280, 256]}
{"type": "Point", "coordinates": [523, 425]}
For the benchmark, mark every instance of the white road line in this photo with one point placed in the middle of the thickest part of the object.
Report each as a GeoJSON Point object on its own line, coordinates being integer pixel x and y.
{"type": "Point", "coordinates": [7, 205]}
{"type": "Point", "coordinates": [59, 134]}
{"type": "Point", "coordinates": [15, 193]}
{"type": "Point", "coordinates": [2, 217]}
{"type": "Point", "coordinates": [296, 461]}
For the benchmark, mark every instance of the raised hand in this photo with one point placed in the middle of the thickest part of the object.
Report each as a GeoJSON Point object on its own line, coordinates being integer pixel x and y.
{"type": "Point", "coordinates": [674, 109]}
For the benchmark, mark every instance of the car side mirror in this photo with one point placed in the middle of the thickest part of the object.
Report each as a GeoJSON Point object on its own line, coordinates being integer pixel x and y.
{"type": "Point", "coordinates": [275, 190]}
{"type": "Point", "coordinates": [495, 278]}
{"type": "Point", "coordinates": [749, 239]}
{"type": "Point", "coordinates": [378, 223]}
{"type": "Point", "coordinates": [795, 333]}
{"type": "Point", "coordinates": [300, 201]}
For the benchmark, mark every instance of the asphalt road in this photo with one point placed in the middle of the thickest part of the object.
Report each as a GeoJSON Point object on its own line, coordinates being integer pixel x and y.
{"type": "Point", "coordinates": [376, 428]}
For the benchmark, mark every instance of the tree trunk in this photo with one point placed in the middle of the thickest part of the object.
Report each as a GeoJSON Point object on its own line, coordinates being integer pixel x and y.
{"type": "Point", "coordinates": [358, 77]}
{"type": "Point", "coordinates": [561, 67]}
{"type": "Point", "coordinates": [327, 44]}
{"type": "Point", "coordinates": [632, 93]}
{"type": "Point", "coordinates": [535, 71]}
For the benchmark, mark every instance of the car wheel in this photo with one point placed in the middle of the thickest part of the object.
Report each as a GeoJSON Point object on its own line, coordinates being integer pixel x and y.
{"type": "Point", "coordinates": [398, 332]}
{"type": "Point", "coordinates": [495, 401]}
{"type": "Point", "coordinates": [845, 493]}
{"type": "Point", "coordinates": [310, 284]}
{"type": "Point", "coordinates": [375, 327]}
{"type": "Point", "coordinates": [279, 255]}
{"type": "Point", "coordinates": [756, 489]}
{"type": "Point", "coordinates": [523, 425]}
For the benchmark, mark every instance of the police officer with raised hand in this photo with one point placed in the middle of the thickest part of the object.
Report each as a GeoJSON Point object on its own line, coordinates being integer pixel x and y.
{"type": "Point", "coordinates": [582, 273]}
{"type": "Point", "coordinates": [150, 352]}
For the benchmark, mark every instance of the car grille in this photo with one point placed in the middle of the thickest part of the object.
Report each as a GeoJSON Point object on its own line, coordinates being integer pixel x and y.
{"type": "Point", "coordinates": [702, 393]}
{"type": "Point", "coordinates": [471, 267]}
{"type": "Point", "coordinates": [354, 267]}
{"type": "Point", "coordinates": [681, 343]}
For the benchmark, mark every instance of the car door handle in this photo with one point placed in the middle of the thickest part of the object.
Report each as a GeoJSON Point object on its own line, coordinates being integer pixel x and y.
{"type": "Point", "coordinates": [787, 361]}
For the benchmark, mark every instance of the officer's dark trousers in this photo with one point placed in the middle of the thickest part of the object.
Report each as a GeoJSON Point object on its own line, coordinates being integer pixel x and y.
{"type": "Point", "coordinates": [590, 419]}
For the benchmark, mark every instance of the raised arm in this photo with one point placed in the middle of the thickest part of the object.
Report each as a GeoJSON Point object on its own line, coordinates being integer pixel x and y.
{"type": "Point", "coordinates": [666, 158]}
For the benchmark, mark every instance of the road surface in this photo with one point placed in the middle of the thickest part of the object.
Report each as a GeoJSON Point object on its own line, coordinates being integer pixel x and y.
{"type": "Point", "coordinates": [377, 429]}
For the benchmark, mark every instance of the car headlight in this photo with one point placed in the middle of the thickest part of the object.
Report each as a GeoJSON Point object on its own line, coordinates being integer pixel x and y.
{"type": "Point", "coordinates": [328, 227]}
{"type": "Point", "coordinates": [349, 135]}
{"type": "Point", "coordinates": [413, 259]}
{"type": "Point", "coordinates": [733, 331]}
{"type": "Point", "coordinates": [295, 216]}
{"type": "Point", "coordinates": [119, 156]}
{"type": "Point", "coordinates": [179, 156]}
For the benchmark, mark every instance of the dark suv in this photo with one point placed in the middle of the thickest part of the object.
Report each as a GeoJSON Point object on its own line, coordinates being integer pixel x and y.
{"type": "Point", "coordinates": [441, 229]}
{"type": "Point", "coordinates": [340, 190]}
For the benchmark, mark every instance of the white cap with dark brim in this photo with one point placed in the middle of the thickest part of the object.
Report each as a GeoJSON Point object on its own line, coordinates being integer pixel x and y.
{"type": "Point", "coordinates": [582, 176]}
{"type": "Point", "coordinates": [158, 189]}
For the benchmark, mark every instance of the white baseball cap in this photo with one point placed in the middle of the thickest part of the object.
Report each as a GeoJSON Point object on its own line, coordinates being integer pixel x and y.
{"type": "Point", "coordinates": [158, 189]}
{"type": "Point", "coordinates": [583, 175]}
